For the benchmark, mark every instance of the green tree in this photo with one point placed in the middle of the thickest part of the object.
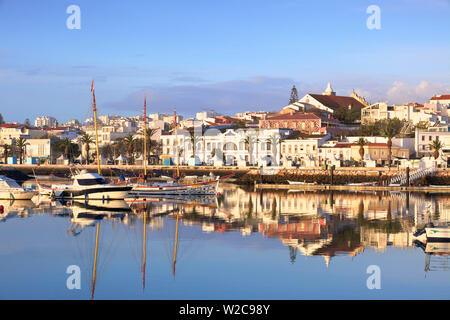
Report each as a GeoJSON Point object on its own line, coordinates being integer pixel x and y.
{"type": "Point", "coordinates": [361, 143]}
{"type": "Point", "coordinates": [436, 146]}
{"type": "Point", "coordinates": [86, 140]}
{"type": "Point", "coordinates": [294, 95]}
{"type": "Point", "coordinates": [21, 145]}
{"type": "Point", "coordinates": [6, 149]}
{"type": "Point", "coordinates": [389, 132]}
{"type": "Point", "coordinates": [193, 139]}
{"type": "Point", "coordinates": [348, 114]}
{"type": "Point", "coordinates": [2, 121]}
{"type": "Point", "coordinates": [66, 147]}
{"type": "Point", "coordinates": [129, 143]}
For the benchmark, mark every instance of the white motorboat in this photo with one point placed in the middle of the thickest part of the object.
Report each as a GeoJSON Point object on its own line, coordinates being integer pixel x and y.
{"type": "Point", "coordinates": [10, 189]}
{"type": "Point", "coordinates": [87, 186]}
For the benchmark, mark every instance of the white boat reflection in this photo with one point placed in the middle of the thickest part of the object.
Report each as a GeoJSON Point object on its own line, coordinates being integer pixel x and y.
{"type": "Point", "coordinates": [15, 208]}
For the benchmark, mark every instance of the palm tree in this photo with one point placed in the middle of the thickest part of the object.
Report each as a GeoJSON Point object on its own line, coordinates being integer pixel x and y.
{"type": "Point", "coordinates": [129, 142]}
{"type": "Point", "coordinates": [436, 146]}
{"type": "Point", "coordinates": [249, 140]}
{"type": "Point", "coordinates": [389, 132]}
{"type": "Point", "coordinates": [151, 144]}
{"type": "Point", "coordinates": [6, 149]}
{"type": "Point", "coordinates": [86, 140]}
{"type": "Point", "coordinates": [361, 143]}
{"type": "Point", "coordinates": [273, 142]}
{"type": "Point", "coordinates": [67, 148]}
{"type": "Point", "coordinates": [21, 144]}
{"type": "Point", "coordinates": [194, 139]}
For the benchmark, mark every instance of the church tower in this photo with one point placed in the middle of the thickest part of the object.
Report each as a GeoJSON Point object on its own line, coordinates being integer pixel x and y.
{"type": "Point", "coordinates": [329, 91]}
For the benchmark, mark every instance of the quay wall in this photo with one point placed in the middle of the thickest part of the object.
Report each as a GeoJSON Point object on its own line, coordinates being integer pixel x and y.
{"type": "Point", "coordinates": [248, 175]}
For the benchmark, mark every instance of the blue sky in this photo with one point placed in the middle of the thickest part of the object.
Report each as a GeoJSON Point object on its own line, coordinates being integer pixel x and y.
{"type": "Point", "coordinates": [228, 55]}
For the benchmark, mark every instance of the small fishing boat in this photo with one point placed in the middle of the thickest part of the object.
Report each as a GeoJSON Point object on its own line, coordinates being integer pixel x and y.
{"type": "Point", "coordinates": [301, 183]}
{"type": "Point", "coordinates": [10, 189]}
{"type": "Point", "coordinates": [208, 187]}
{"type": "Point", "coordinates": [363, 184]}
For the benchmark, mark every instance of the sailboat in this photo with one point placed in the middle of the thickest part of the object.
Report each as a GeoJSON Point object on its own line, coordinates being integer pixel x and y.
{"type": "Point", "coordinates": [88, 186]}
{"type": "Point", "coordinates": [207, 187]}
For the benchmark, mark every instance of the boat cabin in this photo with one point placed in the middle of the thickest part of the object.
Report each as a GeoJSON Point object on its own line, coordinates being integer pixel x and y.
{"type": "Point", "coordinates": [8, 183]}
{"type": "Point", "coordinates": [88, 179]}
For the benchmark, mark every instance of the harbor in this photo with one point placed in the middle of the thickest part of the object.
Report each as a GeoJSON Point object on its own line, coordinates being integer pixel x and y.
{"type": "Point", "coordinates": [175, 247]}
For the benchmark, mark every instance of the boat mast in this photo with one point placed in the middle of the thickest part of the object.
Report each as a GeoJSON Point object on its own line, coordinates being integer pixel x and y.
{"type": "Point", "coordinates": [145, 138]}
{"type": "Point", "coordinates": [95, 261]}
{"type": "Point", "coordinates": [95, 126]}
{"type": "Point", "coordinates": [176, 143]}
{"type": "Point", "coordinates": [176, 245]}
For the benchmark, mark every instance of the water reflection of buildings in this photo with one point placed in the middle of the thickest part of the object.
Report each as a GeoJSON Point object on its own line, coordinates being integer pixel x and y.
{"type": "Point", "coordinates": [307, 222]}
{"type": "Point", "coordinates": [332, 223]}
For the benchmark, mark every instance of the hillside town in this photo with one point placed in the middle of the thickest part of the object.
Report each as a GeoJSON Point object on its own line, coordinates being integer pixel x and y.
{"type": "Point", "coordinates": [314, 131]}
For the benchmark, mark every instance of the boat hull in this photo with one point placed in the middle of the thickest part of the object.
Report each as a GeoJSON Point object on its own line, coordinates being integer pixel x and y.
{"type": "Point", "coordinates": [17, 195]}
{"type": "Point", "coordinates": [204, 188]}
{"type": "Point", "coordinates": [109, 193]}
{"type": "Point", "coordinates": [438, 234]}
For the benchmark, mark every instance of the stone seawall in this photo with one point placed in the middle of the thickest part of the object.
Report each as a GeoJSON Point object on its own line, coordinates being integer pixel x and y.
{"type": "Point", "coordinates": [249, 176]}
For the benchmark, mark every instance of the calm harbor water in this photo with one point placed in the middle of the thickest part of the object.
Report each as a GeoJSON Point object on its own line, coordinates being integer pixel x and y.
{"type": "Point", "coordinates": [244, 245]}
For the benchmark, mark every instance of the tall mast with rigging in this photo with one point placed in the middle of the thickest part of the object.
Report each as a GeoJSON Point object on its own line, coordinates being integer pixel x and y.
{"type": "Point", "coordinates": [176, 143]}
{"type": "Point", "coordinates": [94, 106]}
{"type": "Point", "coordinates": [145, 137]}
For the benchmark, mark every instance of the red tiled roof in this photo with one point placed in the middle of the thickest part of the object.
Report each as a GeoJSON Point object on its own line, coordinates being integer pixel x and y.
{"type": "Point", "coordinates": [12, 125]}
{"type": "Point", "coordinates": [295, 116]}
{"type": "Point", "coordinates": [376, 144]}
{"type": "Point", "coordinates": [57, 128]}
{"type": "Point", "coordinates": [342, 145]}
{"type": "Point", "coordinates": [336, 102]}
{"type": "Point", "coordinates": [441, 97]}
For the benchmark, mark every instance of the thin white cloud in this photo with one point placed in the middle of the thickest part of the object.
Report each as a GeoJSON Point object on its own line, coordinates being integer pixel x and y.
{"type": "Point", "coordinates": [401, 92]}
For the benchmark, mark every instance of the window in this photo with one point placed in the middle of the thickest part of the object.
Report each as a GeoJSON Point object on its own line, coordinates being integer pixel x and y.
{"type": "Point", "coordinates": [423, 138]}
{"type": "Point", "coordinates": [90, 182]}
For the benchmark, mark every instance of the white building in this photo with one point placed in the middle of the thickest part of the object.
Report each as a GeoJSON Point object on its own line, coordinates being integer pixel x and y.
{"type": "Point", "coordinates": [424, 138]}
{"type": "Point", "coordinates": [45, 121]}
{"type": "Point", "coordinates": [239, 147]}
{"type": "Point", "coordinates": [39, 148]}
{"type": "Point", "coordinates": [411, 112]}
{"type": "Point", "coordinates": [302, 151]}
{"type": "Point", "coordinates": [206, 115]}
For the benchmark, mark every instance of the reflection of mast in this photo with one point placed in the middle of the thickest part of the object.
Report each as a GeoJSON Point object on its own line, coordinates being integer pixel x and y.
{"type": "Point", "coordinates": [144, 251]}
{"type": "Point", "coordinates": [176, 246]}
{"type": "Point", "coordinates": [95, 261]}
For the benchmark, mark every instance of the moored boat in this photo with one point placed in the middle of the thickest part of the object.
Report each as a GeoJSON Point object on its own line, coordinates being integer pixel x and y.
{"type": "Point", "coordinates": [10, 189]}
{"type": "Point", "coordinates": [89, 186]}
{"type": "Point", "coordinates": [300, 183]}
{"type": "Point", "coordinates": [174, 188]}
